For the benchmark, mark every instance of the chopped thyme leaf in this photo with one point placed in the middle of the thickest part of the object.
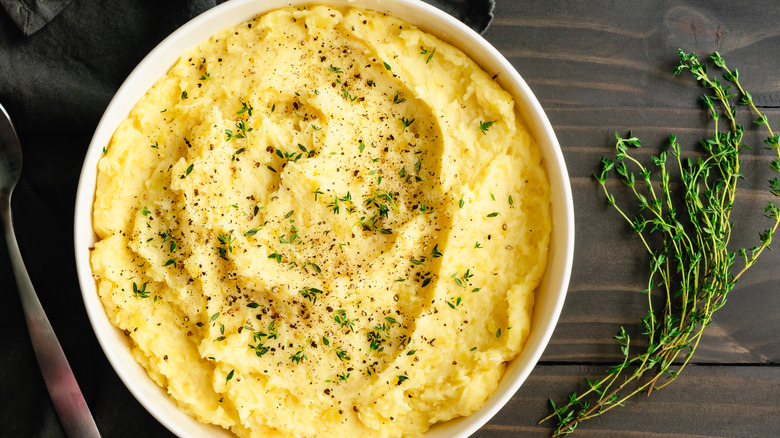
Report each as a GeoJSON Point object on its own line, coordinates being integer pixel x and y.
{"type": "Point", "coordinates": [189, 169]}
{"type": "Point", "coordinates": [485, 126]}
{"type": "Point", "coordinates": [270, 168]}
{"type": "Point", "coordinates": [334, 205]}
{"type": "Point", "coordinates": [241, 125]}
{"type": "Point", "coordinates": [498, 333]}
{"type": "Point", "coordinates": [398, 99]}
{"type": "Point", "coordinates": [205, 76]}
{"type": "Point", "coordinates": [313, 266]}
{"type": "Point", "coordinates": [299, 356]}
{"type": "Point", "coordinates": [494, 214]}
{"type": "Point", "coordinates": [226, 244]}
{"type": "Point", "coordinates": [155, 146]}
{"type": "Point", "coordinates": [258, 336]}
{"type": "Point", "coordinates": [477, 245]}
{"type": "Point", "coordinates": [406, 122]}
{"type": "Point", "coordinates": [402, 379]}
{"type": "Point", "coordinates": [436, 253]}
{"type": "Point", "coordinates": [252, 232]}
{"type": "Point", "coordinates": [462, 281]}
{"type": "Point", "coordinates": [140, 292]}
{"type": "Point", "coordinates": [245, 108]}
{"type": "Point", "coordinates": [429, 53]}
{"type": "Point", "coordinates": [145, 211]}
{"type": "Point", "coordinates": [349, 96]}
{"type": "Point", "coordinates": [461, 203]}
{"type": "Point", "coordinates": [214, 316]}
{"type": "Point", "coordinates": [341, 318]}
{"type": "Point", "coordinates": [253, 305]}
{"type": "Point", "coordinates": [362, 146]}
{"type": "Point", "coordinates": [184, 94]}
{"type": "Point", "coordinates": [511, 201]}
{"type": "Point", "coordinates": [170, 262]}
{"type": "Point", "coordinates": [387, 66]}
{"type": "Point", "coordinates": [376, 338]}
{"type": "Point", "coordinates": [411, 352]}
{"type": "Point", "coordinates": [273, 333]}
{"type": "Point", "coordinates": [317, 192]}
{"type": "Point", "coordinates": [335, 70]}
{"type": "Point", "coordinates": [229, 376]}
{"type": "Point", "coordinates": [310, 293]}
{"type": "Point", "coordinates": [341, 353]}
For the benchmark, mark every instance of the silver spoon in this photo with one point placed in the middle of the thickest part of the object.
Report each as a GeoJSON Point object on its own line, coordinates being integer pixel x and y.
{"type": "Point", "coordinates": [63, 389]}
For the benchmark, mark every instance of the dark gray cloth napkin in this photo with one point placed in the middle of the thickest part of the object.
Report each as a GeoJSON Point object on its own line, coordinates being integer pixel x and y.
{"type": "Point", "coordinates": [31, 15]}
{"type": "Point", "coordinates": [61, 61]}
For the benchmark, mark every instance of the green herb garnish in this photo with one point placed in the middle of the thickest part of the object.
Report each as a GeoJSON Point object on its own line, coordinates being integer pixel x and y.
{"type": "Point", "coordinates": [429, 53]}
{"type": "Point", "coordinates": [310, 293]}
{"type": "Point", "coordinates": [485, 126]}
{"type": "Point", "coordinates": [299, 356]}
{"type": "Point", "coordinates": [225, 244]}
{"type": "Point", "coordinates": [140, 292]}
{"type": "Point", "coordinates": [686, 228]}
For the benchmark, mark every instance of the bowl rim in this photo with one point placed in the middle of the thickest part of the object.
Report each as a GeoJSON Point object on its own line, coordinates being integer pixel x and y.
{"type": "Point", "coordinates": [426, 17]}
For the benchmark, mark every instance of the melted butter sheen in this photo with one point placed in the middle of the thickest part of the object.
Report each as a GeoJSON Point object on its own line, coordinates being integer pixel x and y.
{"type": "Point", "coordinates": [307, 228]}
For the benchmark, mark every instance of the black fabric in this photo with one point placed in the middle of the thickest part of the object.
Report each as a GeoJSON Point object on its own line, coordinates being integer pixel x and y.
{"type": "Point", "coordinates": [58, 71]}
{"type": "Point", "coordinates": [31, 15]}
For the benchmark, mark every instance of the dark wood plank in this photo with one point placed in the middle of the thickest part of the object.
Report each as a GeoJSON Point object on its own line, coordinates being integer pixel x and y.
{"type": "Point", "coordinates": [706, 401]}
{"type": "Point", "coordinates": [611, 54]}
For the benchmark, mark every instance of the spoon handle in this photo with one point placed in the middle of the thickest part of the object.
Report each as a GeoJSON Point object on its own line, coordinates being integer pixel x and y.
{"type": "Point", "coordinates": [63, 388]}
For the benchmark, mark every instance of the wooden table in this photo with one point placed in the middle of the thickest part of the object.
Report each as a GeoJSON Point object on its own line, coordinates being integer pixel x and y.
{"type": "Point", "coordinates": [597, 68]}
{"type": "Point", "coordinates": [602, 67]}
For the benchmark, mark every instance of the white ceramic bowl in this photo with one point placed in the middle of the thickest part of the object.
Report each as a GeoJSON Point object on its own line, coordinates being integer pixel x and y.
{"type": "Point", "coordinates": [549, 297]}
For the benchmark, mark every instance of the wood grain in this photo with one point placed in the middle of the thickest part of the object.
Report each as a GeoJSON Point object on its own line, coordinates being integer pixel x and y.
{"type": "Point", "coordinates": [605, 67]}
{"type": "Point", "coordinates": [708, 401]}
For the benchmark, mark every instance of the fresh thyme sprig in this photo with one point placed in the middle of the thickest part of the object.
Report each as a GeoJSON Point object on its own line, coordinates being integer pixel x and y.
{"type": "Point", "coordinates": [693, 262]}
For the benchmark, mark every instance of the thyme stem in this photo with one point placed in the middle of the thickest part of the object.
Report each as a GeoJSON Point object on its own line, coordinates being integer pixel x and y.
{"type": "Point", "coordinates": [693, 259]}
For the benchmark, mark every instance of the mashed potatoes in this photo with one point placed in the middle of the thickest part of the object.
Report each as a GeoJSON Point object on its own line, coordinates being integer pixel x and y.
{"type": "Point", "coordinates": [322, 222]}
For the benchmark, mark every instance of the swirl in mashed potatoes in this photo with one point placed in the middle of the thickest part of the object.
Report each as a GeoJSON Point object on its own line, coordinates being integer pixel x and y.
{"type": "Point", "coordinates": [323, 222]}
